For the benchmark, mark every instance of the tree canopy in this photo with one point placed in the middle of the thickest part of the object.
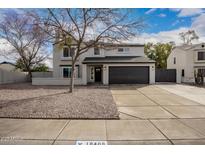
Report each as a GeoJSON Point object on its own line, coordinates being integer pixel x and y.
{"type": "Point", "coordinates": [188, 37]}
{"type": "Point", "coordinates": [25, 37]}
{"type": "Point", "coordinates": [40, 67]}
{"type": "Point", "coordinates": [158, 52]}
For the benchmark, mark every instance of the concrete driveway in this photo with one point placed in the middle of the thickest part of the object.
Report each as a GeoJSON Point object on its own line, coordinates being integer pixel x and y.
{"type": "Point", "coordinates": [179, 119]}
{"type": "Point", "coordinates": [149, 115]}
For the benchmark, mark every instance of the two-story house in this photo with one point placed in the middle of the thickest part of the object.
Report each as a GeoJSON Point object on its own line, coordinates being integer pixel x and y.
{"type": "Point", "coordinates": [110, 64]}
{"type": "Point", "coordinates": [187, 60]}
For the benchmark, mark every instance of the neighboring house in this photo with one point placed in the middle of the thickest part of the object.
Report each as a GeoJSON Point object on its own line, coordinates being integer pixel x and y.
{"type": "Point", "coordinates": [187, 60]}
{"type": "Point", "coordinates": [7, 66]}
{"type": "Point", "coordinates": [110, 64]}
{"type": "Point", "coordinates": [8, 74]}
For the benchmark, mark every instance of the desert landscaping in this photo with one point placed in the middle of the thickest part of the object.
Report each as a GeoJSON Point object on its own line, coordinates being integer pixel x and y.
{"type": "Point", "coordinates": [27, 101]}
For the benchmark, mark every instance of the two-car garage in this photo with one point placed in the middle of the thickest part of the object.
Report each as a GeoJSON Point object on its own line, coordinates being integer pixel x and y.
{"type": "Point", "coordinates": [128, 74]}
{"type": "Point", "coordinates": [123, 70]}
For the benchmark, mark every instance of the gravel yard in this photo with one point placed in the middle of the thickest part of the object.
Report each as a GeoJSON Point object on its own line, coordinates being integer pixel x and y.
{"type": "Point", "coordinates": [27, 101]}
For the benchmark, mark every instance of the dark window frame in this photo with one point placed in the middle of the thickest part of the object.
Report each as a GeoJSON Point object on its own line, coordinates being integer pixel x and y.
{"type": "Point", "coordinates": [201, 55]}
{"type": "Point", "coordinates": [201, 70]}
{"type": "Point", "coordinates": [175, 60]}
{"type": "Point", "coordinates": [69, 67]}
{"type": "Point", "coordinates": [68, 54]}
{"type": "Point", "coordinates": [68, 75]}
{"type": "Point", "coordinates": [183, 73]}
{"type": "Point", "coordinates": [96, 51]}
{"type": "Point", "coordinates": [121, 50]}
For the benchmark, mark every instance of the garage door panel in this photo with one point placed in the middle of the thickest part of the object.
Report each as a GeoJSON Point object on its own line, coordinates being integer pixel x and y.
{"type": "Point", "coordinates": [128, 74]}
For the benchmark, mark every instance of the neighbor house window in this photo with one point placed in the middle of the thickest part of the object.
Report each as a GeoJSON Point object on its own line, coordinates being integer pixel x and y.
{"type": "Point", "coordinates": [120, 49]}
{"type": "Point", "coordinates": [96, 51]}
{"type": "Point", "coordinates": [174, 60]}
{"type": "Point", "coordinates": [201, 55]}
{"type": "Point", "coordinates": [182, 72]}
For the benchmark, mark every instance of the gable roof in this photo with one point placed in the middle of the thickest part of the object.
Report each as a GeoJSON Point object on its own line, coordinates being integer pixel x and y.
{"type": "Point", "coordinates": [5, 62]}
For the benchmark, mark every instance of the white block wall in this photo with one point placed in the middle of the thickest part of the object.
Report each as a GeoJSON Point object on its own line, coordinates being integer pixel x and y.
{"type": "Point", "coordinates": [55, 81]}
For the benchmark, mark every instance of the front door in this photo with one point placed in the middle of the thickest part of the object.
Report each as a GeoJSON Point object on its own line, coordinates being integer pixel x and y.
{"type": "Point", "coordinates": [98, 74]}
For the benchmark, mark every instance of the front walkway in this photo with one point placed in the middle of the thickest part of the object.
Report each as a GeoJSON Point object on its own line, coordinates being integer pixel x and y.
{"type": "Point", "coordinates": [149, 115]}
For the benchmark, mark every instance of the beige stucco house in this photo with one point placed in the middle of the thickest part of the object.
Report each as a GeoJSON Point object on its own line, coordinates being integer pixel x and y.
{"type": "Point", "coordinates": [7, 66]}
{"type": "Point", "coordinates": [112, 64]}
{"type": "Point", "coordinates": [187, 60]}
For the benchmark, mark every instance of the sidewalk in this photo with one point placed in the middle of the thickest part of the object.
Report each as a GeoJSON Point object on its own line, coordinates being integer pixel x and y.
{"type": "Point", "coordinates": [172, 131]}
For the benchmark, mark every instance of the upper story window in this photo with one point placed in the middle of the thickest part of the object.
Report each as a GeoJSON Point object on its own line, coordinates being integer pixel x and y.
{"type": "Point", "coordinates": [96, 51]}
{"type": "Point", "coordinates": [67, 52]}
{"type": "Point", "coordinates": [174, 60]}
{"type": "Point", "coordinates": [201, 55]}
{"type": "Point", "coordinates": [123, 49]}
{"type": "Point", "coordinates": [120, 49]}
{"type": "Point", "coordinates": [126, 49]}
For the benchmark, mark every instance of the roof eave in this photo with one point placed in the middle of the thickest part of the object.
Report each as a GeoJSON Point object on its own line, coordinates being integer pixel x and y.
{"type": "Point", "coordinates": [97, 62]}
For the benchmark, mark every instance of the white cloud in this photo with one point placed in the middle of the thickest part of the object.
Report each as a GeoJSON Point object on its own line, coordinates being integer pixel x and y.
{"type": "Point", "coordinates": [175, 23]}
{"type": "Point", "coordinates": [164, 37]}
{"type": "Point", "coordinates": [198, 25]}
{"type": "Point", "coordinates": [150, 11]}
{"type": "Point", "coordinates": [175, 9]}
{"type": "Point", "coordinates": [187, 12]}
{"type": "Point", "coordinates": [5, 48]}
{"type": "Point", "coordinates": [162, 15]}
{"type": "Point", "coordinates": [49, 61]}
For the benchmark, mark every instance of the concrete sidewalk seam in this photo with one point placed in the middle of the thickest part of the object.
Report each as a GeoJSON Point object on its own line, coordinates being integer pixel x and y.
{"type": "Point", "coordinates": [61, 131]}
{"type": "Point", "coordinates": [159, 105]}
{"type": "Point", "coordinates": [161, 132]}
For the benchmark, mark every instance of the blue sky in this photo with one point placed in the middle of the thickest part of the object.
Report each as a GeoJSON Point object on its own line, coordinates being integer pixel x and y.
{"type": "Point", "coordinates": [164, 25]}
{"type": "Point", "coordinates": [163, 20]}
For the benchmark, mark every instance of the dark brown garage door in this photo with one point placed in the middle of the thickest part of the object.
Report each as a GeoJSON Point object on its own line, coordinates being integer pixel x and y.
{"type": "Point", "coordinates": [128, 74]}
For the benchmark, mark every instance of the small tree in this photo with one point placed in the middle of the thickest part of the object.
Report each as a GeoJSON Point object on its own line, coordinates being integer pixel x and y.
{"type": "Point", "coordinates": [20, 65]}
{"type": "Point", "coordinates": [26, 38]}
{"type": "Point", "coordinates": [158, 52]}
{"type": "Point", "coordinates": [188, 37]}
{"type": "Point", "coordinates": [87, 27]}
{"type": "Point", "coordinates": [40, 68]}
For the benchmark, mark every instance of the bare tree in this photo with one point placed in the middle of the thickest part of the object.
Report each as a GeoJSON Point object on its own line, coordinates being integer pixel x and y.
{"type": "Point", "coordinates": [25, 38]}
{"type": "Point", "coordinates": [86, 28]}
{"type": "Point", "coordinates": [188, 37]}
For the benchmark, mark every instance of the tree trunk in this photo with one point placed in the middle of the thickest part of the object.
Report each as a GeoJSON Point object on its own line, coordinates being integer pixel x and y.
{"type": "Point", "coordinates": [29, 75]}
{"type": "Point", "coordinates": [72, 78]}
